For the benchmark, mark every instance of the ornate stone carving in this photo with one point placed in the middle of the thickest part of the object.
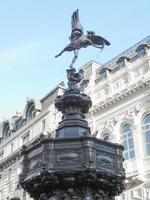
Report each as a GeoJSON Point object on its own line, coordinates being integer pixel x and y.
{"type": "Point", "coordinates": [110, 125]}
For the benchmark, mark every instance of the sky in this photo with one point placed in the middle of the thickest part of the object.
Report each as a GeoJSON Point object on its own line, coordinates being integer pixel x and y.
{"type": "Point", "coordinates": [32, 32]}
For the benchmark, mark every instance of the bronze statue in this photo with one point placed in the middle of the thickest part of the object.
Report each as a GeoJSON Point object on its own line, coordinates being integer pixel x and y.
{"type": "Point", "coordinates": [79, 40]}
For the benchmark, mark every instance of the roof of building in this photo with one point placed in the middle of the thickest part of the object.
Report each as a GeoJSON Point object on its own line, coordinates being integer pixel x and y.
{"type": "Point", "coordinates": [127, 52]}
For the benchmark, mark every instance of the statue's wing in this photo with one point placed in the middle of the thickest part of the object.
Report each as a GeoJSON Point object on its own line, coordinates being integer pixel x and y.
{"type": "Point", "coordinates": [98, 40]}
{"type": "Point", "coordinates": [75, 22]}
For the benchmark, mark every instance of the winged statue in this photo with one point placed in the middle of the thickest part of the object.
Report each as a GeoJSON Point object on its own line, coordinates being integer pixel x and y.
{"type": "Point", "coordinates": [79, 40]}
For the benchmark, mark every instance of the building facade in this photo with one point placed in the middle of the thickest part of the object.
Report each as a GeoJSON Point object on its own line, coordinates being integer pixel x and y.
{"type": "Point", "coordinates": [38, 117]}
{"type": "Point", "coordinates": [120, 92]}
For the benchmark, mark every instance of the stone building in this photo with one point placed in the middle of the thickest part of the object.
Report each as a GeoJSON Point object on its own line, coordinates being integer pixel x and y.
{"type": "Point", "coordinates": [38, 117]}
{"type": "Point", "coordinates": [120, 92]}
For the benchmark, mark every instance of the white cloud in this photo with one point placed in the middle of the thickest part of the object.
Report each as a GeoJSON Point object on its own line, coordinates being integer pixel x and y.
{"type": "Point", "coordinates": [13, 57]}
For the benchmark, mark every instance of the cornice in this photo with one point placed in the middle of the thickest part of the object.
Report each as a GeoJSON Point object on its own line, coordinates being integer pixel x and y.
{"type": "Point", "coordinates": [11, 159]}
{"type": "Point", "coordinates": [119, 96]}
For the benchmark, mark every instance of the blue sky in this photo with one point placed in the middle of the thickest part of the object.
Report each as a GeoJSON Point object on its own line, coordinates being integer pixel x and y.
{"type": "Point", "coordinates": [32, 32]}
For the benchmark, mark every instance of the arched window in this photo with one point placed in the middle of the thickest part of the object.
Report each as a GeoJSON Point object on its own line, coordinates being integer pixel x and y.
{"type": "Point", "coordinates": [30, 112]}
{"type": "Point", "coordinates": [105, 136]}
{"type": "Point", "coordinates": [127, 141]}
{"type": "Point", "coordinates": [146, 132]}
{"type": "Point", "coordinates": [32, 108]}
{"type": "Point", "coordinates": [103, 73]}
{"type": "Point", "coordinates": [142, 50]}
{"type": "Point", "coordinates": [6, 131]}
{"type": "Point", "coordinates": [121, 62]}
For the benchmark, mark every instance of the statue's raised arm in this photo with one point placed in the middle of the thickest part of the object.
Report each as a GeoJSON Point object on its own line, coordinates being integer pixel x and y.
{"type": "Point", "coordinates": [78, 40]}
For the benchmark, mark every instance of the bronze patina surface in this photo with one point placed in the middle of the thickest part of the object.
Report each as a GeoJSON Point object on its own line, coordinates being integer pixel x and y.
{"type": "Point", "coordinates": [79, 40]}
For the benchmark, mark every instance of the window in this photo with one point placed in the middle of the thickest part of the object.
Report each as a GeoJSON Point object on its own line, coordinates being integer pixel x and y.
{"type": "Point", "coordinates": [123, 196]}
{"type": "Point", "coordinates": [142, 52]}
{"type": "Point", "coordinates": [1, 155]}
{"type": "Point", "coordinates": [24, 195]}
{"type": "Point", "coordinates": [103, 75]}
{"type": "Point", "coordinates": [127, 141]}
{"type": "Point", "coordinates": [30, 113]}
{"type": "Point", "coordinates": [116, 85]}
{"type": "Point", "coordinates": [146, 133]}
{"type": "Point", "coordinates": [12, 147]}
{"type": "Point", "coordinates": [26, 137]}
{"type": "Point", "coordinates": [121, 64]}
{"type": "Point", "coordinates": [137, 74]}
{"type": "Point", "coordinates": [19, 124]}
{"type": "Point", "coordinates": [106, 90]}
{"type": "Point", "coordinates": [43, 124]}
{"type": "Point", "coordinates": [145, 69]}
{"type": "Point", "coordinates": [6, 131]}
{"type": "Point", "coordinates": [106, 136]}
{"type": "Point", "coordinates": [9, 174]}
{"type": "Point", "coordinates": [0, 180]}
{"type": "Point", "coordinates": [10, 187]}
{"type": "Point", "coordinates": [136, 193]}
{"type": "Point", "coordinates": [125, 79]}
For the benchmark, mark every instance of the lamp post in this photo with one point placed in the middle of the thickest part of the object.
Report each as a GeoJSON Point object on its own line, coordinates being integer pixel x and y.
{"type": "Point", "coordinates": [74, 164]}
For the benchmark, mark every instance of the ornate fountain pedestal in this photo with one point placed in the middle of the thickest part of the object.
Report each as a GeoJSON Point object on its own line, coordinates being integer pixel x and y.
{"type": "Point", "coordinates": [74, 164]}
{"type": "Point", "coordinates": [73, 106]}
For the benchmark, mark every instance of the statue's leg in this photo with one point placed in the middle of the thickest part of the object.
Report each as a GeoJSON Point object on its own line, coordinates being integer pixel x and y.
{"type": "Point", "coordinates": [60, 53]}
{"type": "Point", "coordinates": [74, 58]}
